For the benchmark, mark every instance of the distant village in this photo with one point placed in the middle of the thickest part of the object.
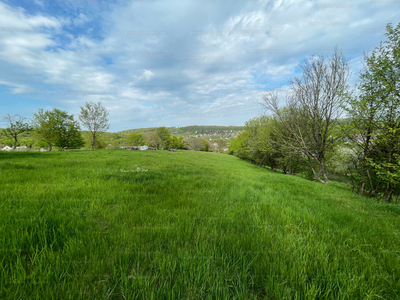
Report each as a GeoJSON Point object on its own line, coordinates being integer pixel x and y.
{"type": "Point", "coordinates": [211, 136]}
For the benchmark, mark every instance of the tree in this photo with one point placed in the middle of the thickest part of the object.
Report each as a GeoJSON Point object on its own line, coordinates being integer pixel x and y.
{"type": "Point", "coordinates": [181, 143]}
{"type": "Point", "coordinates": [67, 131]}
{"type": "Point", "coordinates": [313, 107]}
{"type": "Point", "coordinates": [136, 139]}
{"type": "Point", "coordinates": [239, 145]}
{"type": "Point", "coordinates": [375, 120]}
{"type": "Point", "coordinates": [259, 143]}
{"type": "Point", "coordinates": [173, 142]}
{"type": "Point", "coordinates": [58, 128]}
{"type": "Point", "coordinates": [43, 125]}
{"type": "Point", "coordinates": [100, 143]}
{"type": "Point", "coordinates": [151, 139]}
{"type": "Point", "coordinates": [16, 125]}
{"type": "Point", "coordinates": [263, 148]}
{"type": "Point", "coordinates": [221, 145]}
{"type": "Point", "coordinates": [94, 117]}
{"type": "Point", "coordinates": [163, 136]}
{"type": "Point", "coordinates": [205, 145]}
{"type": "Point", "coordinates": [195, 143]}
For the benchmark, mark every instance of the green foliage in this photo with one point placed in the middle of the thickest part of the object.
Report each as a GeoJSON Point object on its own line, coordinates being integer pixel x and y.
{"type": "Point", "coordinates": [175, 142]}
{"type": "Point", "coordinates": [7, 141]}
{"type": "Point", "coordinates": [136, 139]}
{"type": "Point", "coordinates": [239, 145]}
{"type": "Point", "coordinates": [259, 143]}
{"type": "Point", "coordinates": [42, 144]}
{"type": "Point", "coordinates": [57, 128]}
{"type": "Point", "coordinates": [375, 120]}
{"type": "Point", "coordinates": [205, 145]}
{"type": "Point", "coordinates": [163, 137]}
{"type": "Point", "coordinates": [99, 144]}
{"type": "Point", "coordinates": [27, 142]}
{"type": "Point", "coordinates": [181, 143]}
{"type": "Point", "coordinates": [44, 127]}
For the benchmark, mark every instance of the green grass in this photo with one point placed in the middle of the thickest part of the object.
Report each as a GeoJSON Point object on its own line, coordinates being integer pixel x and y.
{"type": "Point", "coordinates": [88, 225]}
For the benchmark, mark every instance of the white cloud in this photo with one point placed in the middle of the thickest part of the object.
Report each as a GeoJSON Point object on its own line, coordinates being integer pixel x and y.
{"type": "Point", "coordinates": [80, 20]}
{"type": "Point", "coordinates": [146, 75]}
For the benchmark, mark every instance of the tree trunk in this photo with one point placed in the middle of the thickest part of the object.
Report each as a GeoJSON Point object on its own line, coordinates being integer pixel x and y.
{"type": "Point", "coordinates": [94, 141]}
{"type": "Point", "coordinates": [323, 171]}
{"type": "Point", "coordinates": [317, 176]}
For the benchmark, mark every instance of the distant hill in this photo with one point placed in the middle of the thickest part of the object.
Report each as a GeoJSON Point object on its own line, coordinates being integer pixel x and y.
{"type": "Point", "coordinates": [188, 130]}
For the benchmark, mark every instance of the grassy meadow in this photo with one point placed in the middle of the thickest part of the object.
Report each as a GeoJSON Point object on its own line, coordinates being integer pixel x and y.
{"type": "Point", "coordinates": [186, 225]}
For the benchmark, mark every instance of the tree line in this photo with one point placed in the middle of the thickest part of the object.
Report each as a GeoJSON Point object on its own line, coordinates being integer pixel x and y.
{"type": "Point", "coordinates": [321, 127]}
{"type": "Point", "coordinates": [59, 128]}
{"type": "Point", "coordinates": [162, 139]}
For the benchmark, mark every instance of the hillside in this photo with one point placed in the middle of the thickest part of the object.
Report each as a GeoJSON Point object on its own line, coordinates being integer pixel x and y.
{"type": "Point", "coordinates": [186, 225]}
{"type": "Point", "coordinates": [209, 132]}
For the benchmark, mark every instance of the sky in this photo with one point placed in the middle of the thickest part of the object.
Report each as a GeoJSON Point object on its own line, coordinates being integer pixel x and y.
{"type": "Point", "coordinates": [173, 62]}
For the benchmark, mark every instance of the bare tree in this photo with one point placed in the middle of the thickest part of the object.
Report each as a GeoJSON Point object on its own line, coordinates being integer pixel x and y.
{"type": "Point", "coordinates": [16, 125]}
{"type": "Point", "coordinates": [313, 107]}
{"type": "Point", "coordinates": [94, 117]}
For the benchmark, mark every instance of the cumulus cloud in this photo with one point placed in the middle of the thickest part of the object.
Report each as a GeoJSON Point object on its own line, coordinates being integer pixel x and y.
{"type": "Point", "coordinates": [146, 75]}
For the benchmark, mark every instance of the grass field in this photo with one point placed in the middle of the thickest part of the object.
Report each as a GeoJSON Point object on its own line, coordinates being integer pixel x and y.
{"type": "Point", "coordinates": [186, 225]}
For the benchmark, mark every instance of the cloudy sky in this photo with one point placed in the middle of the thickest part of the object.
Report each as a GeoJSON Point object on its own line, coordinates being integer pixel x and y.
{"type": "Point", "coordinates": [172, 62]}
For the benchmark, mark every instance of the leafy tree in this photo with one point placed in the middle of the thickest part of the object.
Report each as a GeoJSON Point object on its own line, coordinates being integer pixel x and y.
{"type": "Point", "coordinates": [181, 143]}
{"type": "Point", "coordinates": [375, 120]}
{"type": "Point", "coordinates": [259, 143]}
{"type": "Point", "coordinates": [67, 131]}
{"type": "Point", "coordinates": [58, 128]}
{"type": "Point", "coordinates": [240, 146]}
{"type": "Point", "coordinates": [44, 125]}
{"type": "Point", "coordinates": [94, 117]}
{"type": "Point", "coordinates": [27, 142]}
{"type": "Point", "coordinates": [163, 137]}
{"type": "Point", "coordinates": [205, 145]}
{"type": "Point", "coordinates": [136, 139]}
{"type": "Point", "coordinates": [16, 125]}
{"type": "Point", "coordinates": [7, 141]}
{"type": "Point", "coordinates": [173, 142]}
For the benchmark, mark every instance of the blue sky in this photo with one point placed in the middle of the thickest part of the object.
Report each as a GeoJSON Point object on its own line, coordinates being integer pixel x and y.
{"type": "Point", "coordinates": [172, 62]}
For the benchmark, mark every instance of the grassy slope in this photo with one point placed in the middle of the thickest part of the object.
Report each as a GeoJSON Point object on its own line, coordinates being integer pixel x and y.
{"type": "Point", "coordinates": [194, 226]}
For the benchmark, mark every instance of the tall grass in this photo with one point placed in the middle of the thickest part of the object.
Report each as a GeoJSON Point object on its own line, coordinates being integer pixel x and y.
{"type": "Point", "coordinates": [186, 225]}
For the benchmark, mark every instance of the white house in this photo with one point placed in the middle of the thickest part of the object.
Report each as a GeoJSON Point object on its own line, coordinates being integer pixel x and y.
{"type": "Point", "coordinates": [7, 148]}
{"type": "Point", "coordinates": [22, 148]}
